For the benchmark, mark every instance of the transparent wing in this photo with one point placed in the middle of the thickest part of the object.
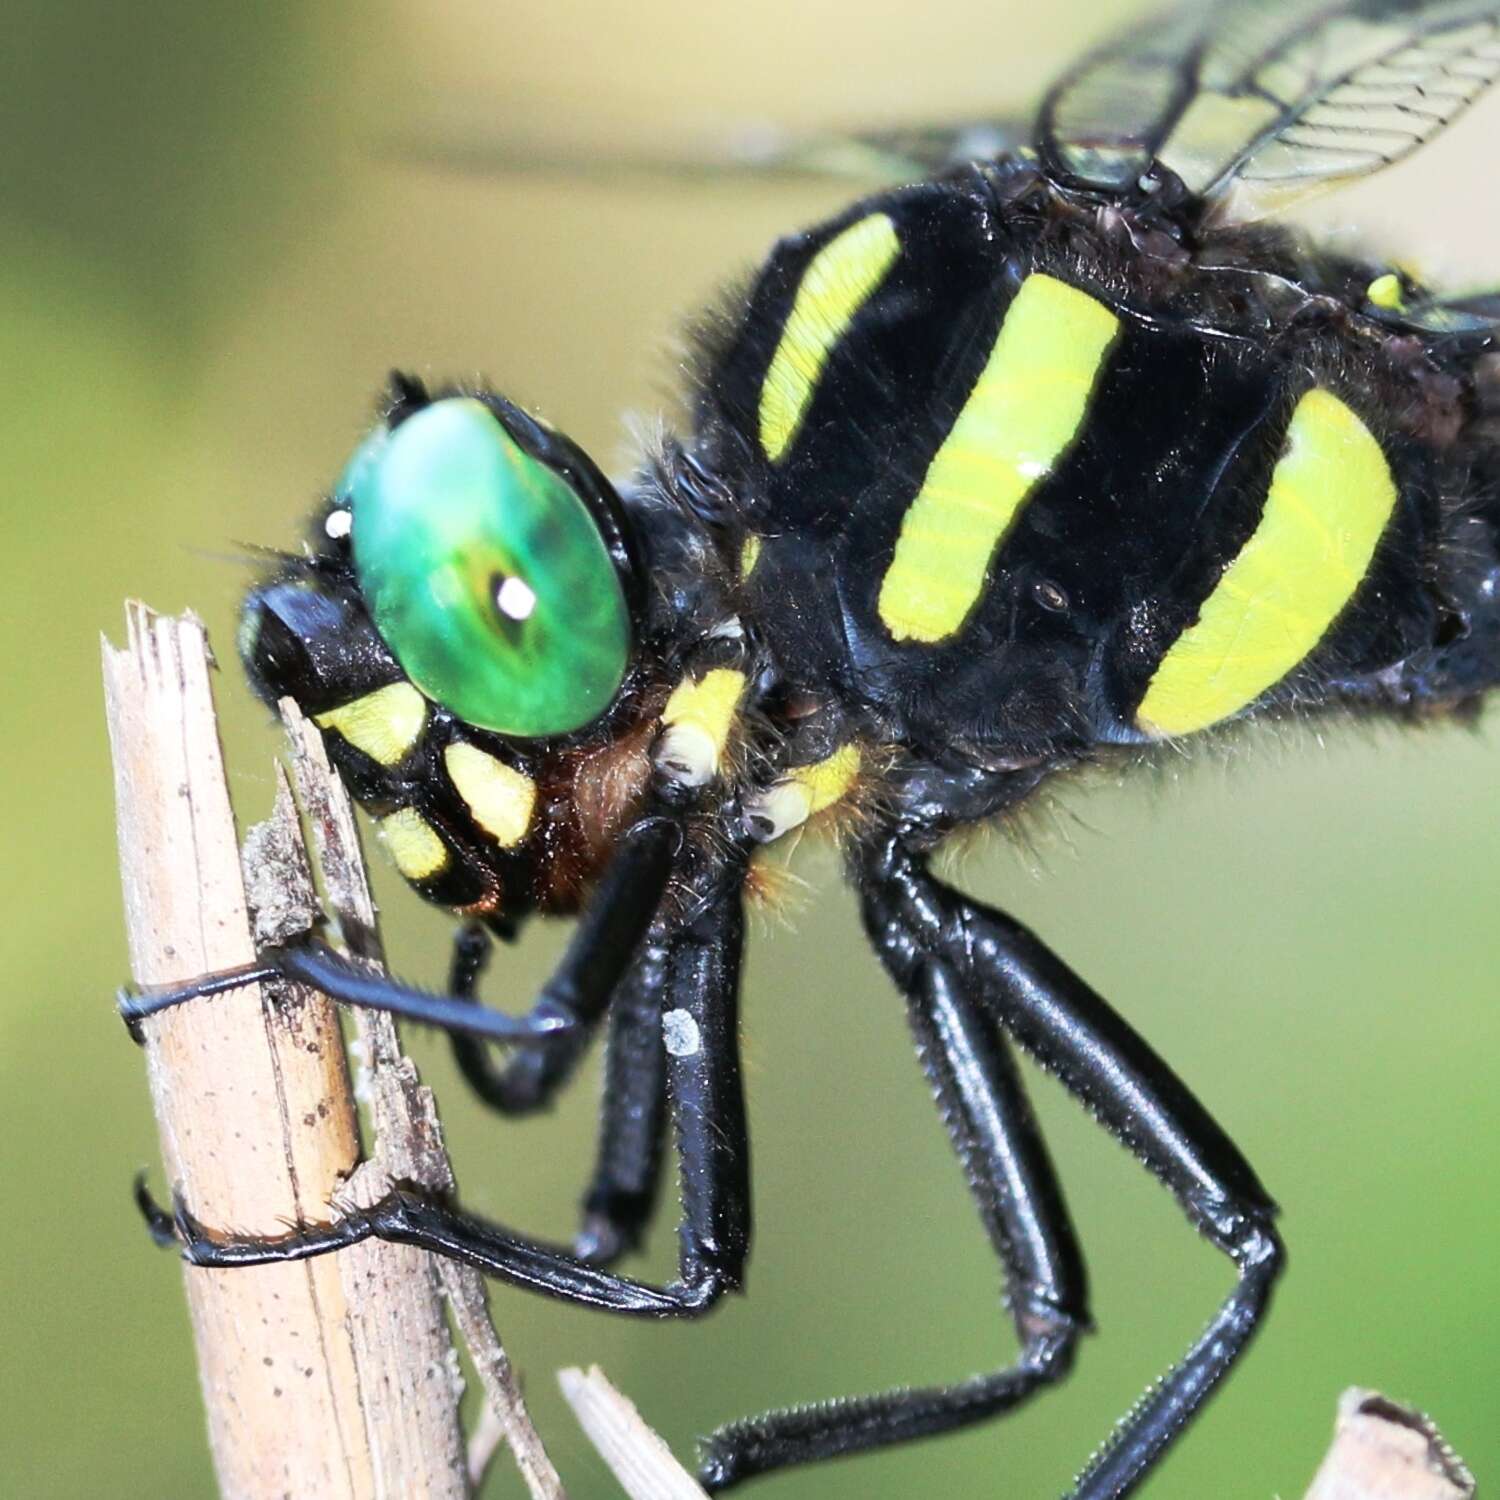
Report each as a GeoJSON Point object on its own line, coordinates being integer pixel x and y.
{"type": "Point", "coordinates": [902, 154]}
{"type": "Point", "coordinates": [1269, 100]}
{"type": "Point", "coordinates": [1457, 315]}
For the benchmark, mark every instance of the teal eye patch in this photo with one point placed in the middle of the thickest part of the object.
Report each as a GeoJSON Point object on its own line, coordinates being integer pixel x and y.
{"type": "Point", "coordinates": [486, 574]}
{"type": "Point", "coordinates": [364, 464]}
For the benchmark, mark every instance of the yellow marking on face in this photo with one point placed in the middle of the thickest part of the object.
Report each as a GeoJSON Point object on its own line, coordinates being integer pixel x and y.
{"type": "Point", "coordinates": [749, 556]}
{"type": "Point", "coordinates": [500, 798]}
{"type": "Point", "coordinates": [828, 781]}
{"type": "Point", "coordinates": [1020, 419]}
{"type": "Point", "coordinates": [413, 843]}
{"type": "Point", "coordinates": [1330, 497]}
{"type": "Point", "coordinates": [384, 724]}
{"type": "Point", "coordinates": [696, 723]}
{"type": "Point", "coordinates": [839, 280]}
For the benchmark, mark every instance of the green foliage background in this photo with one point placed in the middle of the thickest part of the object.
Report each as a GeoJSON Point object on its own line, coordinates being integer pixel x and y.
{"type": "Point", "coordinates": [209, 256]}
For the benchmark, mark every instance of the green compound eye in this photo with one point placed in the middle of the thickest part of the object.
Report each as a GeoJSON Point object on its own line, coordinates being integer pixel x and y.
{"type": "Point", "coordinates": [486, 575]}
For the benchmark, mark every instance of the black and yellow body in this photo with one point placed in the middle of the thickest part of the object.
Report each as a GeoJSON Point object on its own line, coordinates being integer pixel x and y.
{"type": "Point", "coordinates": [1046, 458]}
{"type": "Point", "coordinates": [981, 481]}
{"type": "Point", "coordinates": [1035, 445]}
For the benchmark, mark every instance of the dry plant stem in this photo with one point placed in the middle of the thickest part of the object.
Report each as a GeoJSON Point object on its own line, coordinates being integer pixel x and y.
{"type": "Point", "coordinates": [485, 1441]}
{"type": "Point", "coordinates": [637, 1456]}
{"type": "Point", "coordinates": [1384, 1451]}
{"type": "Point", "coordinates": [309, 1390]}
{"type": "Point", "coordinates": [408, 1143]}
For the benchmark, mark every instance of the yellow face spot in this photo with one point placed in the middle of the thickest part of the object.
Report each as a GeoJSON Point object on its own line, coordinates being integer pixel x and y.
{"type": "Point", "coordinates": [1020, 419]}
{"type": "Point", "coordinates": [696, 723]}
{"type": "Point", "coordinates": [840, 279]}
{"type": "Point", "coordinates": [384, 724]}
{"type": "Point", "coordinates": [1331, 495]}
{"type": "Point", "coordinates": [413, 844]}
{"type": "Point", "coordinates": [500, 798]}
{"type": "Point", "coordinates": [749, 556]}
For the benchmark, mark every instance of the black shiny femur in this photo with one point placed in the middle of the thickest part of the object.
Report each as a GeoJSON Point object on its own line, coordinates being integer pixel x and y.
{"type": "Point", "coordinates": [771, 568]}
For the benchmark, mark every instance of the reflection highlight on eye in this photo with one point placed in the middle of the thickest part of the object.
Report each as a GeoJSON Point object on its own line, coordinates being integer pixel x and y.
{"type": "Point", "coordinates": [486, 574]}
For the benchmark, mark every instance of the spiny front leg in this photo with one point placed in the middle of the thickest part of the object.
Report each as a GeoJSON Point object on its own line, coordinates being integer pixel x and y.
{"type": "Point", "coordinates": [701, 978]}
{"type": "Point", "coordinates": [576, 994]}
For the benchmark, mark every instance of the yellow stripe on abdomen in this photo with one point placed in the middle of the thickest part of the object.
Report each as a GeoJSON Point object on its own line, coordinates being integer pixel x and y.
{"type": "Point", "coordinates": [1331, 495]}
{"type": "Point", "coordinates": [839, 280]}
{"type": "Point", "coordinates": [1022, 415]}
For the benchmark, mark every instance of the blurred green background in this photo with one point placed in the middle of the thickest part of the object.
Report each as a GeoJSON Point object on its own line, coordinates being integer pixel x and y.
{"type": "Point", "coordinates": [208, 260]}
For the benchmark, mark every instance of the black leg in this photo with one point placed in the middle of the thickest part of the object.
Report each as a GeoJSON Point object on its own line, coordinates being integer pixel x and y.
{"type": "Point", "coordinates": [529, 1075]}
{"type": "Point", "coordinates": [1103, 1062]}
{"type": "Point", "coordinates": [700, 1007]}
{"type": "Point", "coordinates": [632, 1113]}
{"type": "Point", "coordinates": [1010, 1174]}
{"type": "Point", "coordinates": [577, 993]}
{"type": "Point", "coordinates": [633, 1107]}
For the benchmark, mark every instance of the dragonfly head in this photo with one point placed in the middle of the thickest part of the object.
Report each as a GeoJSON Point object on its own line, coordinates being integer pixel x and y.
{"type": "Point", "coordinates": [464, 627]}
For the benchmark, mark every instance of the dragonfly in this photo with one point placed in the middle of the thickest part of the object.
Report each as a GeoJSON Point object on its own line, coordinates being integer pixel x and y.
{"type": "Point", "coordinates": [1056, 449]}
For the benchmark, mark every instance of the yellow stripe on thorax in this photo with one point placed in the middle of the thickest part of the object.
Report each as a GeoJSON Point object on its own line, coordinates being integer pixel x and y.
{"type": "Point", "coordinates": [1020, 418]}
{"type": "Point", "coordinates": [838, 281]}
{"type": "Point", "coordinates": [1330, 497]}
{"type": "Point", "coordinates": [1386, 292]}
{"type": "Point", "coordinates": [384, 724]}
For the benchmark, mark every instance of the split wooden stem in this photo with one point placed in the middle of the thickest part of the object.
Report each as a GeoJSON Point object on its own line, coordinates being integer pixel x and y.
{"type": "Point", "coordinates": [336, 1376]}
